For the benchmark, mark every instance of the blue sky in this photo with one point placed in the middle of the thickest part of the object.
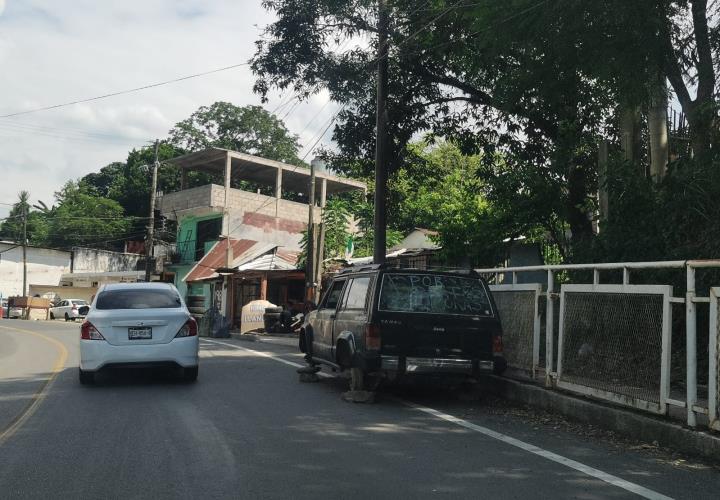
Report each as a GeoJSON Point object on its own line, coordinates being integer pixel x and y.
{"type": "Point", "coordinates": [54, 51]}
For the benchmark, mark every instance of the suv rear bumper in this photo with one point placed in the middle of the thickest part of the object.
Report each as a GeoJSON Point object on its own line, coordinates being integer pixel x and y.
{"type": "Point", "coordinates": [434, 365]}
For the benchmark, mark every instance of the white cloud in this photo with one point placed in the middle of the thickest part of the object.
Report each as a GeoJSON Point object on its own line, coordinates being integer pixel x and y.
{"type": "Point", "coordinates": [53, 52]}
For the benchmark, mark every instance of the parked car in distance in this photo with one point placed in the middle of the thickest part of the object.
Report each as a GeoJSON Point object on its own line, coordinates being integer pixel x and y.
{"type": "Point", "coordinates": [10, 312]}
{"type": "Point", "coordinates": [405, 321]}
{"type": "Point", "coordinates": [69, 309]}
{"type": "Point", "coordinates": [138, 325]}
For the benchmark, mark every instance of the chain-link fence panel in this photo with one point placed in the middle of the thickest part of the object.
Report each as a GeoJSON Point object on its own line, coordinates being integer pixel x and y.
{"type": "Point", "coordinates": [517, 306]}
{"type": "Point", "coordinates": [714, 362]}
{"type": "Point", "coordinates": [611, 342]}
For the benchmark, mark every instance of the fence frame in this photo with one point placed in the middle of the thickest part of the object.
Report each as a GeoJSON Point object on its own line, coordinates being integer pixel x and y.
{"type": "Point", "coordinates": [689, 298]}
{"type": "Point", "coordinates": [528, 287]}
{"type": "Point", "coordinates": [713, 339]}
{"type": "Point", "coordinates": [663, 290]}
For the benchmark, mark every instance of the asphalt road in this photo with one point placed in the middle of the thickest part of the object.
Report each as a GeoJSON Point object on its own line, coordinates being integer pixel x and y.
{"type": "Point", "coordinates": [249, 429]}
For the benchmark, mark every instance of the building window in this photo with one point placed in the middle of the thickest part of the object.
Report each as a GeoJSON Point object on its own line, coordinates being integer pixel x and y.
{"type": "Point", "coordinates": [207, 230]}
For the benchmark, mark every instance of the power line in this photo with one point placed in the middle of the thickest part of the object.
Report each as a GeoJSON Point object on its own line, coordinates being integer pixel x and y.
{"type": "Point", "coordinates": [121, 92]}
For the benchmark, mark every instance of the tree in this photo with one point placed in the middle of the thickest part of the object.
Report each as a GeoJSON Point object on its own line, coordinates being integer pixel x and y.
{"type": "Point", "coordinates": [464, 72]}
{"type": "Point", "coordinates": [37, 225]}
{"type": "Point", "coordinates": [539, 82]}
{"type": "Point", "coordinates": [248, 129]}
{"type": "Point", "coordinates": [81, 218]}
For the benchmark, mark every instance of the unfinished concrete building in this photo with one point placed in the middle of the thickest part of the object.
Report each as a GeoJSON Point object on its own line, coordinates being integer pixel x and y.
{"type": "Point", "coordinates": [257, 205]}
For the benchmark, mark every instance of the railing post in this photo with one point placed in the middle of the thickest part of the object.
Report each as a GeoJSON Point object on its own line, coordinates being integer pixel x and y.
{"type": "Point", "coordinates": [691, 346]}
{"type": "Point", "coordinates": [514, 278]}
{"type": "Point", "coordinates": [549, 328]}
{"type": "Point", "coordinates": [596, 276]}
{"type": "Point", "coordinates": [626, 276]}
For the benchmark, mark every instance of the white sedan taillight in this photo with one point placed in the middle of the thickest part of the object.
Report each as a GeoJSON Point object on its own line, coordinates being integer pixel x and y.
{"type": "Point", "coordinates": [89, 332]}
{"type": "Point", "coordinates": [189, 329]}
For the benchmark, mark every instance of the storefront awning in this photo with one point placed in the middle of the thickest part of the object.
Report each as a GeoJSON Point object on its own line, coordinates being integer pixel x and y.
{"type": "Point", "coordinates": [246, 255]}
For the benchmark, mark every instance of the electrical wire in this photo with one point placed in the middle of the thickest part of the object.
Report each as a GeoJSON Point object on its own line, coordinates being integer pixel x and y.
{"type": "Point", "coordinates": [122, 92]}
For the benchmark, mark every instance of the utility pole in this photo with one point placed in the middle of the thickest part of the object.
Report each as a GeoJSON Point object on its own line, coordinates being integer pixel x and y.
{"type": "Point", "coordinates": [24, 249]}
{"type": "Point", "coordinates": [151, 227]}
{"type": "Point", "coordinates": [310, 247]}
{"type": "Point", "coordinates": [381, 140]}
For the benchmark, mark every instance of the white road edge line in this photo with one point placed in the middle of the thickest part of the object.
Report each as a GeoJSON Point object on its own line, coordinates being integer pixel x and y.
{"type": "Point", "coordinates": [549, 455]}
{"type": "Point", "coordinates": [267, 355]}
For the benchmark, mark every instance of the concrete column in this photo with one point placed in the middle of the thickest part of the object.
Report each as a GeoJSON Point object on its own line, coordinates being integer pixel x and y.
{"type": "Point", "coordinates": [323, 193]}
{"type": "Point", "coordinates": [278, 190]}
{"type": "Point", "coordinates": [263, 286]}
{"type": "Point", "coordinates": [630, 132]}
{"type": "Point", "coordinates": [658, 130]}
{"type": "Point", "coordinates": [228, 176]}
{"type": "Point", "coordinates": [603, 200]}
{"type": "Point", "coordinates": [227, 309]}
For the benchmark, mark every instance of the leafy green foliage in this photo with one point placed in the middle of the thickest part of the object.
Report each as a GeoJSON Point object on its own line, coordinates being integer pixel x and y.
{"type": "Point", "coordinates": [675, 219]}
{"type": "Point", "coordinates": [534, 85]}
{"type": "Point", "coordinates": [248, 129]}
{"type": "Point", "coordinates": [80, 218]}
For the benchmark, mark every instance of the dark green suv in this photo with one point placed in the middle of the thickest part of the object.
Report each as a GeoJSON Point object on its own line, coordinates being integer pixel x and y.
{"type": "Point", "coordinates": [405, 321]}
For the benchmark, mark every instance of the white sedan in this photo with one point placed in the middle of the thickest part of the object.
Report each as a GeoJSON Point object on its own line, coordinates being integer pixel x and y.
{"type": "Point", "coordinates": [70, 309]}
{"type": "Point", "coordinates": [138, 325]}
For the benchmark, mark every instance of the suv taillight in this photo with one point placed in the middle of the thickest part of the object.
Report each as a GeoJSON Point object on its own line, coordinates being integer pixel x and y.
{"type": "Point", "coordinates": [497, 344]}
{"type": "Point", "coordinates": [372, 337]}
{"type": "Point", "coordinates": [189, 329]}
{"type": "Point", "coordinates": [89, 332]}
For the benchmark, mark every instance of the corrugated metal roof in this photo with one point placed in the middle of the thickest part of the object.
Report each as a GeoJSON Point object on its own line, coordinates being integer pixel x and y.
{"type": "Point", "coordinates": [215, 258]}
{"type": "Point", "coordinates": [247, 255]}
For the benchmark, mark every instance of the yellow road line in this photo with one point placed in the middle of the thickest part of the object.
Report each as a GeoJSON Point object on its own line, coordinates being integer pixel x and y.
{"type": "Point", "coordinates": [42, 391]}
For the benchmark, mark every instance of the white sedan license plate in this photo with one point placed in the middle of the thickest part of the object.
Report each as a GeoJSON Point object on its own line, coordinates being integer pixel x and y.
{"type": "Point", "coordinates": [139, 333]}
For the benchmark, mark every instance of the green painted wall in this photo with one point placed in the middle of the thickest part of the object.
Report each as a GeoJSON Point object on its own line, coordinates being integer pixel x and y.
{"type": "Point", "coordinates": [187, 233]}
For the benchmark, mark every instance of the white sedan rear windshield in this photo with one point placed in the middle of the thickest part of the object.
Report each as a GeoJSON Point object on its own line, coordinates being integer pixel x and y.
{"type": "Point", "coordinates": [138, 299]}
{"type": "Point", "coordinates": [435, 294]}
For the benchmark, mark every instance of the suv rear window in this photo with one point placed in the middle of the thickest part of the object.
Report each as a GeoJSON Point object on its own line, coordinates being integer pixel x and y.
{"type": "Point", "coordinates": [435, 294]}
{"type": "Point", "coordinates": [138, 299]}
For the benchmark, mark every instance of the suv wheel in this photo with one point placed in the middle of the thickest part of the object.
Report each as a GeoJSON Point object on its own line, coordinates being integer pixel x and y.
{"type": "Point", "coordinates": [67, 317]}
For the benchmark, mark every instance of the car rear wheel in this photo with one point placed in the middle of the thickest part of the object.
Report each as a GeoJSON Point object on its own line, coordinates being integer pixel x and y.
{"type": "Point", "coordinates": [67, 317]}
{"type": "Point", "coordinates": [190, 374]}
{"type": "Point", "coordinates": [87, 378]}
{"type": "Point", "coordinates": [52, 316]}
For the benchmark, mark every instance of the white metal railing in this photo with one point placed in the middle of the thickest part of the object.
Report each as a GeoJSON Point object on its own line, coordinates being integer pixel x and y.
{"type": "Point", "coordinates": [690, 299]}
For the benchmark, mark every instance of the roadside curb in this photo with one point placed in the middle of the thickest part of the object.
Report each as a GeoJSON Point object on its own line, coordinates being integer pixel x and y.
{"type": "Point", "coordinates": [625, 422]}
{"type": "Point", "coordinates": [289, 339]}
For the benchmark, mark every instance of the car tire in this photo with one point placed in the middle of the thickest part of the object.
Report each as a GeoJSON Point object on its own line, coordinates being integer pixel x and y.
{"type": "Point", "coordinates": [87, 378]}
{"type": "Point", "coordinates": [52, 316]}
{"type": "Point", "coordinates": [67, 318]}
{"type": "Point", "coordinates": [499, 366]}
{"type": "Point", "coordinates": [190, 374]}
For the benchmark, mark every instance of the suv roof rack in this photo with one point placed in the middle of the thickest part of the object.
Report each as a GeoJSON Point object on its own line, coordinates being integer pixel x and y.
{"type": "Point", "coordinates": [368, 267]}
